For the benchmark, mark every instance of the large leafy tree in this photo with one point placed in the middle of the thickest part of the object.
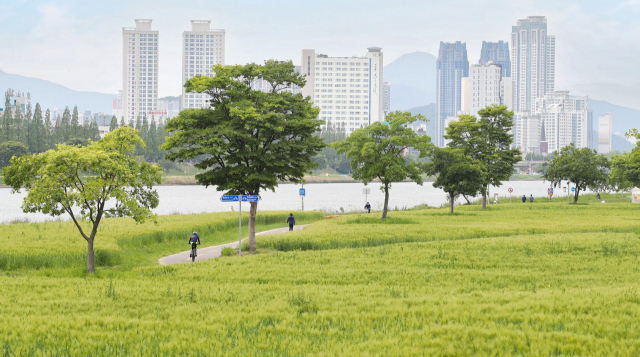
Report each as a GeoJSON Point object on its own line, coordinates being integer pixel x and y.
{"type": "Point", "coordinates": [621, 173]}
{"type": "Point", "coordinates": [248, 140]}
{"type": "Point", "coordinates": [79, 181]}
{"type": "Point", "coordinates": [377, 152]}
{"type": "Point", "coordinates": [582, 167]}
{"type": "Point", "coordinates": [456, 173]}
{"type": "Point", "coordinates": [487, 140]}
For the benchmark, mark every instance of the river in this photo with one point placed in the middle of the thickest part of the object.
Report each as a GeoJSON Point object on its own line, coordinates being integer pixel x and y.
{"type": "Point", "coordinates": [329, 197]}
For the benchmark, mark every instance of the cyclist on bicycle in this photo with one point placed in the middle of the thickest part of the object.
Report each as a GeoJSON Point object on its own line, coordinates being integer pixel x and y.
{"type": "Point", "coordinates": [194, 239]}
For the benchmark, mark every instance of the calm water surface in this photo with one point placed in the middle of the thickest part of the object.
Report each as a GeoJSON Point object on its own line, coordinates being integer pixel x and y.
{"type": "Point", "coordinates": [329, 197]}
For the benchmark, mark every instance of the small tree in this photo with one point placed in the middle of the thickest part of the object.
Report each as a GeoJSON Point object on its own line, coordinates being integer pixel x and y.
{"type": "Point", "coordinates": [456, 173]}
{"type": "Point", "coordinates": [583, 167]}
{"type": "Point", "coordinates": [113, 125]}
{"type": "Point", "coordinates": [249, 139]}
{"type": "Point", "coordinates": [619, 178]}
{"type": "Point", "coordinates": [487, 140]}
{"type": "Point", "coordinates": [377, 152]}
{"type": "Point", "coordinates": [87, 178]}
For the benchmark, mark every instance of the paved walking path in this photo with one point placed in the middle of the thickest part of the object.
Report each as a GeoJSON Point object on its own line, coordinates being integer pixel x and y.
{"type": "Point", "coordinates": [216, 250]}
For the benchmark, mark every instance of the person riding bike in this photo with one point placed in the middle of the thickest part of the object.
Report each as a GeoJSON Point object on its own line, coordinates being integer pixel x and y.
{"type": "Point", "coordinates": [194, 240]}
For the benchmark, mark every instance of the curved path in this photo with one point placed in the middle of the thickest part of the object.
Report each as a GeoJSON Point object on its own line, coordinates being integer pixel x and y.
{"type": "Point", "coordinates": [216, 250]}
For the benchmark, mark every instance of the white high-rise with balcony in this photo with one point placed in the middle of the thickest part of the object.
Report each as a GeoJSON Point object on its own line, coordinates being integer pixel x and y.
{"type": "Point", "coordinates": [348, 90]}
{"type": "Point", "coordinates": [565, 119]}
{"type": "Point", "coordinates": [605, 123]}
{"type": "Point", "coordinates": [202, 48]}
{"type": "Point", "coordinates": [139, 70]}
{"type": "Point", "coordinates": [485, 81]}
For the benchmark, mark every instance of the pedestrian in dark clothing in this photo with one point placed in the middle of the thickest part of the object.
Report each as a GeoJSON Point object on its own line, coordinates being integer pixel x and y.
{"type": "Point", "coordinates": [524, 199]}
{"type": "Point", "coordinates": [531, 199]}
{"type": "Point", "coordinates": [291, 221]}
{"type": "Point", "coordinates": [598, 196]}
{"type": "Point", "coordinates": [367, 207]}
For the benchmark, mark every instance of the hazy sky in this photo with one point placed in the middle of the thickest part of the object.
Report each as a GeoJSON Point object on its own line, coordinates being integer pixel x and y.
{"type": "Point", "coordinates": [79, 43]}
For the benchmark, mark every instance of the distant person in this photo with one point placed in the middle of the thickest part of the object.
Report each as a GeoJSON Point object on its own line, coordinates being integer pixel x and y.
{"type": "Point", "coordinates": [524, 199]}
{"type": "Point", "coordinates": [598, 196]}
{"type": "Point", "coordinates": [495, 201]}
{"type": "Point", "coordinates": [291, 221]}
{"type": "Point", "coordinates": [367, 207]}
{"type": "Point", "coordinates": [531, 198]}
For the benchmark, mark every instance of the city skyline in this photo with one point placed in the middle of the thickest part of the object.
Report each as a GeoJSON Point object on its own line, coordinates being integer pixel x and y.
{"type": "Point", "coordinates": [70, 35]}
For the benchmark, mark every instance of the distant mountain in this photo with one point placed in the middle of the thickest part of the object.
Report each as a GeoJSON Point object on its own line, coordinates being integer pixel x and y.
{"type": "Point", "coordinates": [620, 143]}
{"type": "Point", "coordinates": [413, 80]}
{"type": "Point", "coordinates": [51, 95]}
{"type": "Point", "coordinates": [623, 118]}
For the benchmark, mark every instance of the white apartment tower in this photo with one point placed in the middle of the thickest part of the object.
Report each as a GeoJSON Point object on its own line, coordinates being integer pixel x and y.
{"type": "Point", "coordinates": [532, 62]}
{"type": "Point", "coordinates": [386, 101]}
{"type": "Point", "coordinates": [565, 119]}
{"type": "Point", "coordinates": [202, 48]}
{"type": "Point", "coordinates": [485, 81]}
{"type": "Point", "coordinates": [605, 123]}
{"type": "Point", "coordinates": [348, 90]}
{"type": "Point", "coordinates": [139, 70]}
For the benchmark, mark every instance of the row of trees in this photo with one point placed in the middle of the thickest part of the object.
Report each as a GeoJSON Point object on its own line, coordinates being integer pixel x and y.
{"type": "Point", "coordinates": [35, 129]}
{"type": "Point", "coordinates": [152, 134]}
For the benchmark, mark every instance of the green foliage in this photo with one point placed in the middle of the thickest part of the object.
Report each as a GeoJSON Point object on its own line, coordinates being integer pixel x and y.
{"type": "Point", "coordinates": [113, 125]}
{"type": "Point", "coordinates": [455, 172]}
{"type": "Point", "coordinates": [10, 149]}
{"type": "Point", "coordinates": [248, 140]}
{"type": "Point", "coordinates": [377, 151]}
{"type": "Point", "coordinates": [582, 167]}
{"type": "Point", "coordinates": [87, 178]}
{"type": "Point", "coordinates": [487, 141]}
{"type": "Point", "coordinates": [227, 252]}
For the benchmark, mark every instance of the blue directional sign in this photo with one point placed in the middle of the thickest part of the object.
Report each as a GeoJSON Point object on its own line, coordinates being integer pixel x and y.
{"type": "Point", "coordinates": [573, 189]}
{"type": "Point", "coordinates": [230, 198]}
{"type": "Point", "coordinates": [250, 198]}
{"type": "Point", "coordinates": [302, 192]}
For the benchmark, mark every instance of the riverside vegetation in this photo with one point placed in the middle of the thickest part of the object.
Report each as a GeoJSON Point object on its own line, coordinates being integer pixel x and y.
{"type": "Point", "coordinates": [512, 279]}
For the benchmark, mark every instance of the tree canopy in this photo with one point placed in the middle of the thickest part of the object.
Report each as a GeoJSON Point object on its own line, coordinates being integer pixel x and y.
{"type": "Point", "coordinates": [377, 152]}
{"type": "Point", "coordinates": [455, 172]}
{"type": "Point", "coordinates": [80, 181]}
{"type": "Point", "coordinates": [487, 140]}
{"type": "Point", "coordinates": [582, 167]}
{"type": "Point", "coordinates": [248, 140]}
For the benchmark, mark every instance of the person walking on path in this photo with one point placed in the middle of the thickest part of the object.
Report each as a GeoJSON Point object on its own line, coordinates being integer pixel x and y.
{"type": "Point", "coordinates": [367, 207]}
{"type": "Point", "coordinates": [598, 196]}
{"type": "Point", "coordinates": [524, 199]}
{"type": "Point", "coordinates": [531, 198]}
{"type": "Point", "coordinates": [291, 221]}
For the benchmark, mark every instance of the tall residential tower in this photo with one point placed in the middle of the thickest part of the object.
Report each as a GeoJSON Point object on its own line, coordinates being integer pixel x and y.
{"type": "Point", "coordinates": [348, 90]}
{"type": "Point", "coordinates": [139, 70]}
{"type": "Point", "coordinates": [451, 67]}
{"type": "Point", "coordinates": [498, 53]}
{"type": "Point", "coordinates": [533, 60]}
{"type": "Point", "coordinates": [202, 48]}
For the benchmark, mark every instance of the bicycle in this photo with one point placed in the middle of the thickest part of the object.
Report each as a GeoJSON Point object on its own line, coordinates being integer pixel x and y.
{"type": "Point", "coordinates": [194, 251]}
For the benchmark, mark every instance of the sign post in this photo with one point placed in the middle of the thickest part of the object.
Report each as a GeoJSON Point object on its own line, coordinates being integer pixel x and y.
{"type": "Point", "coordinates": [510, 191]}
{"type": "Point", "coordinates": [303, 193]}
{"type": "Point", "coordinates": [240, 199]}
{"type": "Point", "coordinates": [366, 192]}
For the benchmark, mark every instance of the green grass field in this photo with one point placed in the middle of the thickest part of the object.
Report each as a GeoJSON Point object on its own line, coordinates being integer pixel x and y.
{"type": "Point", "coordinates": [516, 279]}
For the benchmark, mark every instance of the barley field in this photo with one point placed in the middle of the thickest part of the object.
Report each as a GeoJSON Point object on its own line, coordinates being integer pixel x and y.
{"type": "Point", "coordinates": [514, 280]}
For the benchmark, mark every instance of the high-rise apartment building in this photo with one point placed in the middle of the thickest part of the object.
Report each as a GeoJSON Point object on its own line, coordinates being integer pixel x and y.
{"type": "Point", "coordinates": [348, 90]}
{"type": "Point", "coordinates": [386, 98]}
{"type": "Point", "coordinates": [202, 48]}
{"type": "Point", "coordinates": [264, 86]}
{"type": "Point", "coordinates": [605, 123]}
{"type": "Point", "coordinates": [451, 67]}
{"type": "Point", "coordinates": [486, 86]}
{"type": "Point", "coordinates": [139, 70]}
{"type": "Point", "coordinates": [498, 53]}
{"type": "Point", "coordinates": [565, 118]}
{"type": "Point", "coordinates": [532, 62]}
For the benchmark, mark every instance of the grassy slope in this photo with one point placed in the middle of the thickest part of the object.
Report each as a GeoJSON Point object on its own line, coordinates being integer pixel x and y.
{"type": "Point", "coordinates": [545, 289]}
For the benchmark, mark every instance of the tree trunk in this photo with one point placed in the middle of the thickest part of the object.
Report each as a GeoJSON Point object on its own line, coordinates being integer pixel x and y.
{"type": "Point", "coordinates": [484, 196]}
{"type": "Point", "coordinates": [386, 200]}
{"type": "Point", "coordinates": [91, 268]}
{"type": "Point", "coordinates": [575, 197]}
{"type": "Point", "coordinates": [451, 201]}
{"type": "Point", "coordinates": [466, 199]}
{"type": "Point", "coordinates": [252, 226]}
